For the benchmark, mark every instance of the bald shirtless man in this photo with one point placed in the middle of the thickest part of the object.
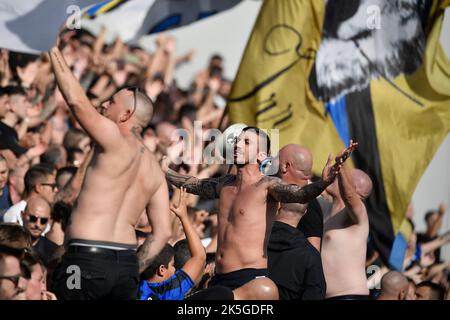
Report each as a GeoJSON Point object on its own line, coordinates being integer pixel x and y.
{"type": "Point", "coordinates": [248, 203]}
{"type": "Point", "coordinates": [122, 181]}
{"type": "Point", "coordinates": [346, 228]}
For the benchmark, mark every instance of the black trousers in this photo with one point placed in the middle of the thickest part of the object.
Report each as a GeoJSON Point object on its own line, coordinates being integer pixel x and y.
{"type": "Point", "coordinates": [236, 279]}
{"type": "Point", "coordinates": [108, 274]}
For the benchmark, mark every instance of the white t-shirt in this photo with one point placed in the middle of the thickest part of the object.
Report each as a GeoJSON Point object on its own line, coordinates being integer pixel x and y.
{"type": "Point", "coordinates": [14, 215]}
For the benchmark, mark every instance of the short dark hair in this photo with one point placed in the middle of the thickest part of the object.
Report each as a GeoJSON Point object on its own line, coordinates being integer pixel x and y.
{"type": "Point", "coordinates": [187, 110]}
{"type": "Point", "coordinates": [182, 253]}
{"type": "Point", "coordinates": [35, 175]}
{"type": "Point", "coordinates": [32, 258]}
{"type": "Point", "coordinates": [14, 236]}
{"type": "Point", "coordinates": [20, 59]}
{"type": "Point", "coordinates": [261, 134]}
{"type": "Point", "coordinates": [437, 292]}
{"type": "Point", "coordinates": [162, 259]}
{"type": "Point", "coordinates": [10, 90]}
{"type": "Point", "coordinates": [72, 170]}
{"type": "Point", "coordinates": [429, 214]}
{"type": "Point", "coordinates": [216, 56]}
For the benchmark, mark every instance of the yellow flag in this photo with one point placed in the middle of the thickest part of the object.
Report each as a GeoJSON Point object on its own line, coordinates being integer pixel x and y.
{"type": "Point", "coordinates": [271, 88]}
{"type": "Point", "coordinates": [324, 72]}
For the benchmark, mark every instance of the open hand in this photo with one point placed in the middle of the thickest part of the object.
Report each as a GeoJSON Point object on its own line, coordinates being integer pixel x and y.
{"type": "Point", "coordinates": [345, 154]}
{"type": "Point", "coordinates": [330, 172]}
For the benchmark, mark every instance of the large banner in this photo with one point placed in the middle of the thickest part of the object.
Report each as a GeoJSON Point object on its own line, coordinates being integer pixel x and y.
{"type": "Point", "coordinates": [32, 26]}
{"type": "Point", "coordinates": [131, 19]}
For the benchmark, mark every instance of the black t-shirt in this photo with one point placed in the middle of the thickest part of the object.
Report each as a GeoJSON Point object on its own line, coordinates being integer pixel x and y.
{"type": "Point", "coordinates": [311, 224]}
{"type": "Point", "coordinates": [294, 265]}
{"type": "Point", "coordinates": [9, 139]}
{"type": "Point", "coordinates": [45, 249]}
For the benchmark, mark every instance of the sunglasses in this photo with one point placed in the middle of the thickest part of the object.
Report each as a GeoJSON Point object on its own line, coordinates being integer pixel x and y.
{"type": "Point", "coordinates": [17, 252]}
{"type": "Point", "coordinates": [34, 219]}
{"type": "Point", "coordinates": [14, 279]}
{"type": "Point", "coordinates": [54, 186]}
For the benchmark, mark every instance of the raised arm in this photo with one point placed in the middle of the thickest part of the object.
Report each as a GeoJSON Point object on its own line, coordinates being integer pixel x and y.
{"type": "Point", "coordinates": [356, 208]}
{"type": "Point", "coordinates": [291, 193]}
{"type": "Point", "coordinates": [287, 193]}
{"type": "Point", "coordinates": [436, 243]}
{"type": "Point", "coordinates": [205, 188]}
{"type": "Point", "coordinates": [101, 129]}
{"type": "Point", "coordinates": [158, 213]}
{"type": "Point", "coordinates": [194, 267]}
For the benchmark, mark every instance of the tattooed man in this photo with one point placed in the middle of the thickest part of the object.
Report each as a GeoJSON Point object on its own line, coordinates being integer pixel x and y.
{"type": "Point", "coordinates": [122, 181]}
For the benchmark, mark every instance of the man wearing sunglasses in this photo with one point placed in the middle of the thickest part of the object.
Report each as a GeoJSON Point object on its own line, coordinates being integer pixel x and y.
{"type": "Point", "coordinates": [123, 181]}
{"type": "Point", "coordinates": [39, 181]}
{"type": "Point", "coordinates": [36, 218]}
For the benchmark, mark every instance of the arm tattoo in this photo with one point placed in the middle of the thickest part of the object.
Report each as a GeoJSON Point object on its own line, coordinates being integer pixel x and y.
{"type": "Point", "coordinates": [135, 131]}
{"type": "Point", "coordinates": [143, 253]}
{"type": "Point", "coordinates": [205, 188]}
{"type": "Point", "coordinates": [290, 193]}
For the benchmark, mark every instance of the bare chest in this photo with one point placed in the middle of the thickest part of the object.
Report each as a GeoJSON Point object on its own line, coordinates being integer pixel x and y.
{"type": "Point", "coordinates": [244, 203]}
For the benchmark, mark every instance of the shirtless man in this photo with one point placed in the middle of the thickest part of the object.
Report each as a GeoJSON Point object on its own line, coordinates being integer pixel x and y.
{"type": "Point", "coordinates": [248, 203]}
{"type": "Point", "coordinates": [122, 181]}
{"type": "Point", "coordinates": [346, 228]}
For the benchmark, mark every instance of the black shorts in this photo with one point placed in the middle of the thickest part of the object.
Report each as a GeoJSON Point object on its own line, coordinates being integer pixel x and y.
{"type": "Point", "coordinates": [351, 297]}
{"type": "Point", "coordinates": [89, 274]}
{"type": "Point", "coordinates": [237, 278]}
